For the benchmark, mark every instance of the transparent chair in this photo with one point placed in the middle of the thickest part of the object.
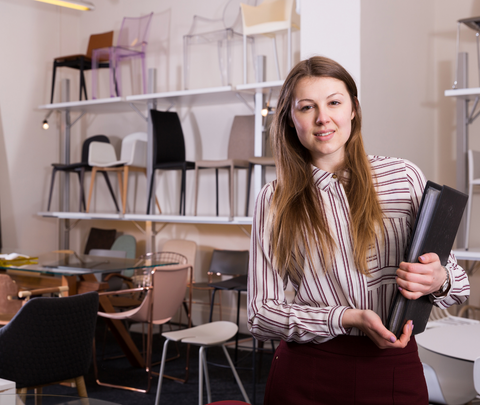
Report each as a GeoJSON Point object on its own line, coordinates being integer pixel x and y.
{"type": "Point", "coordinates": [210, 30]}
{"type": "Point", "coordinates": [131, 43]}
{"type": "Point", "coordinates": [268, 18]}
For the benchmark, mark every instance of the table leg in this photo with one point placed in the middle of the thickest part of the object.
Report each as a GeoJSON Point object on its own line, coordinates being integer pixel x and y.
{"type": "Point", "coordinates": [118, 330]}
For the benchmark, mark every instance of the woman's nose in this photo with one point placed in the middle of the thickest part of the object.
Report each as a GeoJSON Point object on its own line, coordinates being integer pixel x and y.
{"type": "Point", "coordinates": [322, 117]}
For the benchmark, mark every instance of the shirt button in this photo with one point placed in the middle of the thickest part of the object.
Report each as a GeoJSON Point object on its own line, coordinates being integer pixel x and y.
{"type": "Point", "coordinates": [334, 176]}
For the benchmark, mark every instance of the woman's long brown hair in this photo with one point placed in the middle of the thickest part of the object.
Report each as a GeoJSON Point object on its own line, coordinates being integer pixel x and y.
{"type": "Point", "coordinates": [297, 215]}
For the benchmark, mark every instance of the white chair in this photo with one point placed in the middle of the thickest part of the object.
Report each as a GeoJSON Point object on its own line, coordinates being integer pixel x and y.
{"type": "Point", "coordinates": [163, 298]}
{"type": "Point", "coordinates": [210, 30]}
{"type": "Point", "coordinates": [205, 336]}
{"type": "Point", "coordinates": [473, 180]}
{"type": "Point", "coordinates": [133, 157]}
{"type": "Point", "coordinates": [268, 18]}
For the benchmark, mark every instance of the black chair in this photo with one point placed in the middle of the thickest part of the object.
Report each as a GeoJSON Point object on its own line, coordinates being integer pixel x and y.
{"type": "Point", "coordinates": [169, 150]}
{"type": "Point", "coordinates": [100, 239]}
{"type": "Point", "coordinates": [83, 62]}
{"type": "Point", "coordinates": [80, 168]}
{"type": "Point", "coordinates": [48, 341]}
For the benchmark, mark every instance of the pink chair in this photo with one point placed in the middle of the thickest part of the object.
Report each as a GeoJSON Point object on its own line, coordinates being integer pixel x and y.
{"type": "Point", "coordinates": [131, 43]}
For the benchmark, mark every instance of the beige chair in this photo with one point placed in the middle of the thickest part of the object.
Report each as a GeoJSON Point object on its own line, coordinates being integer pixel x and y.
{"type": "Point", "coordinates": [269, 17]}
{"type": "Point", "coordinates": [240, 150]}
{"type": "Point", "coordinates": [133, 158]}
{"type": "Point", "coordinates": [163, 298]}
{"type": "Point", "coordinates": [204, 336]}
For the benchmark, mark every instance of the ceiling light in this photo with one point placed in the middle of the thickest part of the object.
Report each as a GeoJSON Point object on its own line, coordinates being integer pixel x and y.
{"type": "Point", "coordinates": [75, 4]}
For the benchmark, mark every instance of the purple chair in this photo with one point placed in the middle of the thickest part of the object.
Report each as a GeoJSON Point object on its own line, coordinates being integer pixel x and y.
{"type": "Point", "coordinates": [131, 43]}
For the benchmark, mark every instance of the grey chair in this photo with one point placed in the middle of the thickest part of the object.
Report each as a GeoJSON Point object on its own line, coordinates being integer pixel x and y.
{"type": "Point", "coordinates": [240, 150]}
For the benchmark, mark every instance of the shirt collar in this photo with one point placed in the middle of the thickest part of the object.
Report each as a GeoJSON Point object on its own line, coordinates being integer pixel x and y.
{"type": "Point", "coordinates": [322, 179]}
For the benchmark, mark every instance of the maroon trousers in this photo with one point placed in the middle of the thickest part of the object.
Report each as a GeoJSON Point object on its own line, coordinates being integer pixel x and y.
{"type": "Point", "coordinates": [347, 370]}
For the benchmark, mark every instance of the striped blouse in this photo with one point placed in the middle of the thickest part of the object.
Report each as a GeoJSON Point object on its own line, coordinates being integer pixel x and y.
{"type": "Point", "coordinates": [322, 297]}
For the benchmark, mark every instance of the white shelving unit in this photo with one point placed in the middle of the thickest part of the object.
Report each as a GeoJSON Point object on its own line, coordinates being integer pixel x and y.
{"type": "Point", "coordinates": [166, 100]}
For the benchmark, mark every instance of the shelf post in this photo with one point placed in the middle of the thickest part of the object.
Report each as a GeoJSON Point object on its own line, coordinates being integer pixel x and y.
{"type": "Point", "coordinates": [462, 137]}
{"type": "Point", "coordinates": [151, 105]}
{"type": "Point", "coordinates": [258, 150]}
{"type": "Point", "coordinates": [64, 233]}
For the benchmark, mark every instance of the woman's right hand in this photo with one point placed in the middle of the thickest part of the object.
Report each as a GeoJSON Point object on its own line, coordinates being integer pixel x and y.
{"type": "Point", "coordinates": [371, 324]}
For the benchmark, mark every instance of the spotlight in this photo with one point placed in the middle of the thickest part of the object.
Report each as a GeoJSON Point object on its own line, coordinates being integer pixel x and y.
{"type": "Point", "coordinates": [75, 4]}
{"type": "Point", "coordinates": [45, 122]}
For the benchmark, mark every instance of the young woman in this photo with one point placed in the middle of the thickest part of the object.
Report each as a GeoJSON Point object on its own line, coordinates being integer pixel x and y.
{"type": "Point", "coordinates": [335, 224]}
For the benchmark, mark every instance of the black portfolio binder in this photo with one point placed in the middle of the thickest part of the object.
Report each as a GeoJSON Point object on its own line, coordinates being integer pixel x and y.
{"type": "Point", "coordinates": [434, 231]}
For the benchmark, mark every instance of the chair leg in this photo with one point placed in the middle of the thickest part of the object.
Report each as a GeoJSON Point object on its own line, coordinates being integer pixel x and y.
{"type": "Point", "coordinates": [82, 190]}
{"type": "Point", "coordinates": [123, 187]}
{"type": "Point", "coordinates": [81, 387]}
{"type": "Point", "coordinates": [182, 191]}
{"type": "Point", "coordinates": [216, 189]}
{"type": "Point", "coordinates": [53, 81]}
{"type": "Point", "coordinates": [237, 378]}
{"type": "Point", "coordinates": [150, 189]}
{"type": "Point", "coordinates": [276, 56]}
{"type": "Point", "coordinates": [92, 181]}
{"type": "Point", "coordinates": [162, 369]}
{"type": "Point", "coordinates": [230, 190]}
{"type": "Point", "coordinates": [52, 181]}
{"type": "Point", "coordinates": [203, 372]}
{"type": "Point", "coordinates": [196, 191]}
{"type": "Point", "coordinates": [212, 304]}
{"type": "Point", "coordinates": [249, 183]}
{"type": "Point", "coordinates": [107, 180]}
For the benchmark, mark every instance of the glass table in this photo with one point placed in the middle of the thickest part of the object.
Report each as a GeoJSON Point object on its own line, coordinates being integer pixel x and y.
{"type": "Point", "coordinates": [77, 271]}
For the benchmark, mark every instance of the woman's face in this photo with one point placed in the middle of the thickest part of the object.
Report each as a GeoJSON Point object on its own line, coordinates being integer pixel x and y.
{"type": "Point", "coordinates": [322, 114]}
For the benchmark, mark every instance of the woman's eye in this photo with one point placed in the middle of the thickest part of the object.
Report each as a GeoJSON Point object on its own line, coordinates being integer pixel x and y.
{"type": "Point", "coordinates": [306, 107]}
{"type": "Point", "coordinates": [335, 103]}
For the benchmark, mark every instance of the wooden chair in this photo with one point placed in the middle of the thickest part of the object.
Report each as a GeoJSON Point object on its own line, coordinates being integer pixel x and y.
{"type": "Point", "coordinates": [83, 62]}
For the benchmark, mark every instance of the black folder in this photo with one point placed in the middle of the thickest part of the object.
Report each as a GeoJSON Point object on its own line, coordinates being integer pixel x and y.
{"type": "Point", "coordinates": [441, 210]}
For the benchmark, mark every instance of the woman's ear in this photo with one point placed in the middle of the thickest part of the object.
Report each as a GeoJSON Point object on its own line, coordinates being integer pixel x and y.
{"type": "Point", "coordinates": [355, 108]}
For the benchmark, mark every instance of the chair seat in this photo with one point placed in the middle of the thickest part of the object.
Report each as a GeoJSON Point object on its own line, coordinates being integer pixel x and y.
{"type": "Point", "coordinates": [213, 333]}
{"type": "Point", "coordinates": [262, 160]}
{"type": "Point", "coordinates": [71, 166]}
{"type": "Point", "coordinates": [235, 283]}
{"type": "Point", "coordinates": [175, 165]}
{"type": "Point", "coordinates": [222, 163]}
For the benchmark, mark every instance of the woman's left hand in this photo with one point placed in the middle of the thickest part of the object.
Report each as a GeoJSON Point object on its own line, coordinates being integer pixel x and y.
{"type": "Point", "coordinates": [417, 279]}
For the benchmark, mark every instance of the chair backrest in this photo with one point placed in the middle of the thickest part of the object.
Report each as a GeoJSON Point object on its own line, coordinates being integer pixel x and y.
{"type": "Point", "coordinates": [100, 239]}
{"type": "Point", "coordinates": [229, 262]}
{"type": "Point", "coordinates": [187, 248]}
{"type": "Point", "coordinates": [165, 257]}
{"type": "Point", "coordinates": [167, 292]}
{"type": "Point", "coordinates": [88, 141]}
{"type": "Point", "coordinates": [134, 31]}
{"type": "Point", "coordinates": [241, 143]}
{"type": "Point", "coordinates": [49, 340]}
{"type": "Point", "coordinates": [473, 165]}
{"type": "Point", "coordinates": [8, 288]}
{"type": "Point", "coordinates": [269, 16]}
{"type": "Point", "coordinates": [101, 153]}
{"type": "Point", "coordinates": [169, 143]}
{"type": "Point", "coordinates": [96, 41]}
{"type": "Point", "coordinates": [134, 149]}
{"type": "Point", "coordinates": [126, 243]}
{"type": "Point", "coordinates": [121, 254]}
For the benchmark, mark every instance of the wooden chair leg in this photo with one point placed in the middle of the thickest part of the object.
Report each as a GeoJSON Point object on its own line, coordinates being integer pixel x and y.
{"type": "Point", "coordinates": [81, 387]}
{"type": "Point", "coordinates": [92, 181]}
